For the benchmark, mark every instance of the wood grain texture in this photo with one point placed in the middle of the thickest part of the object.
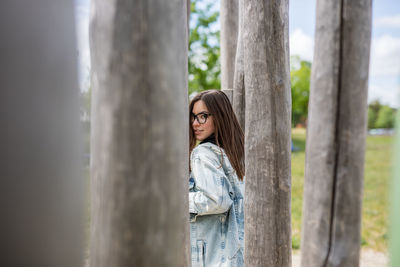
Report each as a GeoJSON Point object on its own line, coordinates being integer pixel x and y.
{"type": "Point", "coordinates": [229, 33]}
{"type": "Point", "coordinates": [267, 133]}
{"type": "Point", "coordinates": [229, 93]}
{"type": "Point", "coordinates": [238, 98]}
{"type": "Point", "coordinates": [336, 135]}
{"type": "Point", "coordinates": [139, 161]}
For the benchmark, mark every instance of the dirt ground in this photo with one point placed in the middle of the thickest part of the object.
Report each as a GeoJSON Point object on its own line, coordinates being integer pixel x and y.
{"type": "Point", "coordinates": [369, 258]}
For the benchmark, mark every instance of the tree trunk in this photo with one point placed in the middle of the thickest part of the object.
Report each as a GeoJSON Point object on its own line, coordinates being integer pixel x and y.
{"type": "Point", "coordinates": [140, 153]}
{"type": "Point", "coordinates": [238, 98]}
{"type": "Point", "coordinates": [42, 189]}
{"type": "Point", "coordinates": [336, 134]}
{"type": "Point", "coordinates": [229, 35]}
{"type": "Point", "coordinates": [267, 133]}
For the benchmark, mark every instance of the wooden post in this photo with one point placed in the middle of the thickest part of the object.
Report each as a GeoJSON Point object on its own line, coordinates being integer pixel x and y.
{"type": "Point", "coordinates": [188, 7]}
{"type": "Point", "coordinates": [267, 133]}
{"type": "Point", "coordinates": [42, 190]}
{"type": "Point", "coordinates": [185, 254]}
{"type": "Point", "coordinates": [229, 93]}
{"type": "Point", "coordinates": [238, 97]}
{"type": "Point", "coordinates": [229, 33]}
{"type": "Point", "coordinates": [140, 156]}
{"type": "Point", "coordinates": [336, 134]}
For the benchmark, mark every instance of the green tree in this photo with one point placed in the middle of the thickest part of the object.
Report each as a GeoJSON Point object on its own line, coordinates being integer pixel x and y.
{"type": "Point", "coordinates": [375, 106]}
{"type": "Point", "coordinates": [204, 48]}
{"type": "Point", "coordinates": [373, 110]}
{"type": "Point", "coordinates": [300, 86]}
{"type": "Point", "coordinates": [380, 116]}
{"type": "Point", "coordinates": [372, 115]}
{"type": "Point", "coordinates": [385, 118]}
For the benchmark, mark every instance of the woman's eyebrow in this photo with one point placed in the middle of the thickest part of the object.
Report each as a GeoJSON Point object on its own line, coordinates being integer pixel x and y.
{"type": "Point", "coordinates": [201, 112]}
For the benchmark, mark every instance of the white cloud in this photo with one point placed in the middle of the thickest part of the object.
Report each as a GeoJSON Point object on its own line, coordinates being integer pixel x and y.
{"type": "Point", "coordinates": [384, 65]}
{"type": "Point", "coordinates": [385, 56]}
{"type": "Point", "coordinates": [301, 45]}
{"type": "Point", "coordinates": [386, 95]}
{"type": "Point", "coordinates": [82, 31]}
{"type": "Point", "coordinates": [388, 21]}
{"type": "Point", "coordinates": [384, 70]}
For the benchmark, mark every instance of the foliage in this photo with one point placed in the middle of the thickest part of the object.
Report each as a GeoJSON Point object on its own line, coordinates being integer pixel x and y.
{"type": "Point", "coordinates": [380, 116]}
{"type": "Point", "coordinates": [372, 115]}
{"type": "Point", "coordinates": [300, 86]}
{"type": "Point", "coordinates": [385, 118]}
{"type": "Point", "coordinates": [204, 48]}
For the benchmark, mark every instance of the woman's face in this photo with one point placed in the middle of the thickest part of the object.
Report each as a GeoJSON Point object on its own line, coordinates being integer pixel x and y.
{"type": "Point", "coordinates": [202, 130]}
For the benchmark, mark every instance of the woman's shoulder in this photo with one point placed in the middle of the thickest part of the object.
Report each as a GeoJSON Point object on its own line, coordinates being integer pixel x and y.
{"type": "Point", "coordinates": [207, 150]}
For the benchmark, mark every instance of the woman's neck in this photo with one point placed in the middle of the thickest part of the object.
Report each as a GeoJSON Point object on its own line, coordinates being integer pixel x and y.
{"type": "Point", "coordinates": [210, 139]}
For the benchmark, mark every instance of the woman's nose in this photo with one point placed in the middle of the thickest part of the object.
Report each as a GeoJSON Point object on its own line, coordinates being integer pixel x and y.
{"type": "Point", "coordinates": [195, 123]}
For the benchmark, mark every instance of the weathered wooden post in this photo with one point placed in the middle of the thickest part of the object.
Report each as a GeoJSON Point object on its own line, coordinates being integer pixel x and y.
{"type": "Point", "coordinates": [185, 235]}
{"type": "Point", "coordinates": [238, 97]}
{"type": "Point", "coordinates": [267, 132]}
{"type": "Point", "coordinates": [140, 127]}
{"type": "Point", "coordinates": [229, 33]}
{"type": "Point", "coordinates": [41, 186]}
{"type": "Point", "coordinates": [229, 93]}
{"type": "Point", "coordinates": [336, 134]}
{"type": "Point", "coordinates": [188, 7]}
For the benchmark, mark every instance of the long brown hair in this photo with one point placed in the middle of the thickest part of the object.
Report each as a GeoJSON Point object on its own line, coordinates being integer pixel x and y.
{"type": "Point", "coordinates": [228, 133]}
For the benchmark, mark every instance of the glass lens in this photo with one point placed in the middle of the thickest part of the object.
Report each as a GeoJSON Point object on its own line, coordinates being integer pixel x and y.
{"type": "Point", "coordinates": [202, 118]}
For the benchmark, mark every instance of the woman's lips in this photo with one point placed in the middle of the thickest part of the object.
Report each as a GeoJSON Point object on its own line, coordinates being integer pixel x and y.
{"type": "Point", "coordinates": [197, 131]}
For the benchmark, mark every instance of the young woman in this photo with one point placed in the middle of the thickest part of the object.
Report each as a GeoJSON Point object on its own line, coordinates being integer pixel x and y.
{"type": "Point", "coordinates": [216, 187]}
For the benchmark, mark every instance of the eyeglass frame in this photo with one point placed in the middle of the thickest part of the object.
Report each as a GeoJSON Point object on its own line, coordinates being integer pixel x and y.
{"type": "Point", "coordinates": [195, 117]}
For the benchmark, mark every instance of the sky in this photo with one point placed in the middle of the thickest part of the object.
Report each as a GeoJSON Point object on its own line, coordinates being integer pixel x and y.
{"type": "Point", "coordinates": [384, 72]}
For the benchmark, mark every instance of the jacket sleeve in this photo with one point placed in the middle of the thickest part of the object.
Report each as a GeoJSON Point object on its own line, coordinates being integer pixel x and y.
{"type": "Point", "coordinates": [212, 187]}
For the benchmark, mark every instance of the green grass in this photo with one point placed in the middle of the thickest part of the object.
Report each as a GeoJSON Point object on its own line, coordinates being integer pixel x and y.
{"type": "Point", "coordinates": [376, 182]}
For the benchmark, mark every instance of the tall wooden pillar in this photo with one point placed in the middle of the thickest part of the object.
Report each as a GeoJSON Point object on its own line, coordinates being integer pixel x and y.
{"type": "Point", "coordinates": [238, 95]}
{"type": "Point", "coordinates": [229, 33]}
{"type": "Point", "coordinates": [41, 186]}
{"type": "Point", "coordinates": [267, 132]}
{"type": "Point", "coordinates": [336, 134]}
{"type": "Point", "coordinates": [140, 124]}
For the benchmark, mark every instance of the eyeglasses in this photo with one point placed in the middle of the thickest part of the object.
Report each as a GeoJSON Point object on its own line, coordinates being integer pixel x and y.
{"type": "Point", "coordinates": [201, 117]}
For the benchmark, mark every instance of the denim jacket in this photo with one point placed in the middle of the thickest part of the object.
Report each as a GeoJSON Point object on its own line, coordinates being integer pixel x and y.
{"type": "Point", "coordinates": [216, 209]}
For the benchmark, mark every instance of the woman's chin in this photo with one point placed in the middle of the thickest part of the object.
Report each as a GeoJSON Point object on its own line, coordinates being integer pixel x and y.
{"type": "Point", "coordinates": [199, 138]}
